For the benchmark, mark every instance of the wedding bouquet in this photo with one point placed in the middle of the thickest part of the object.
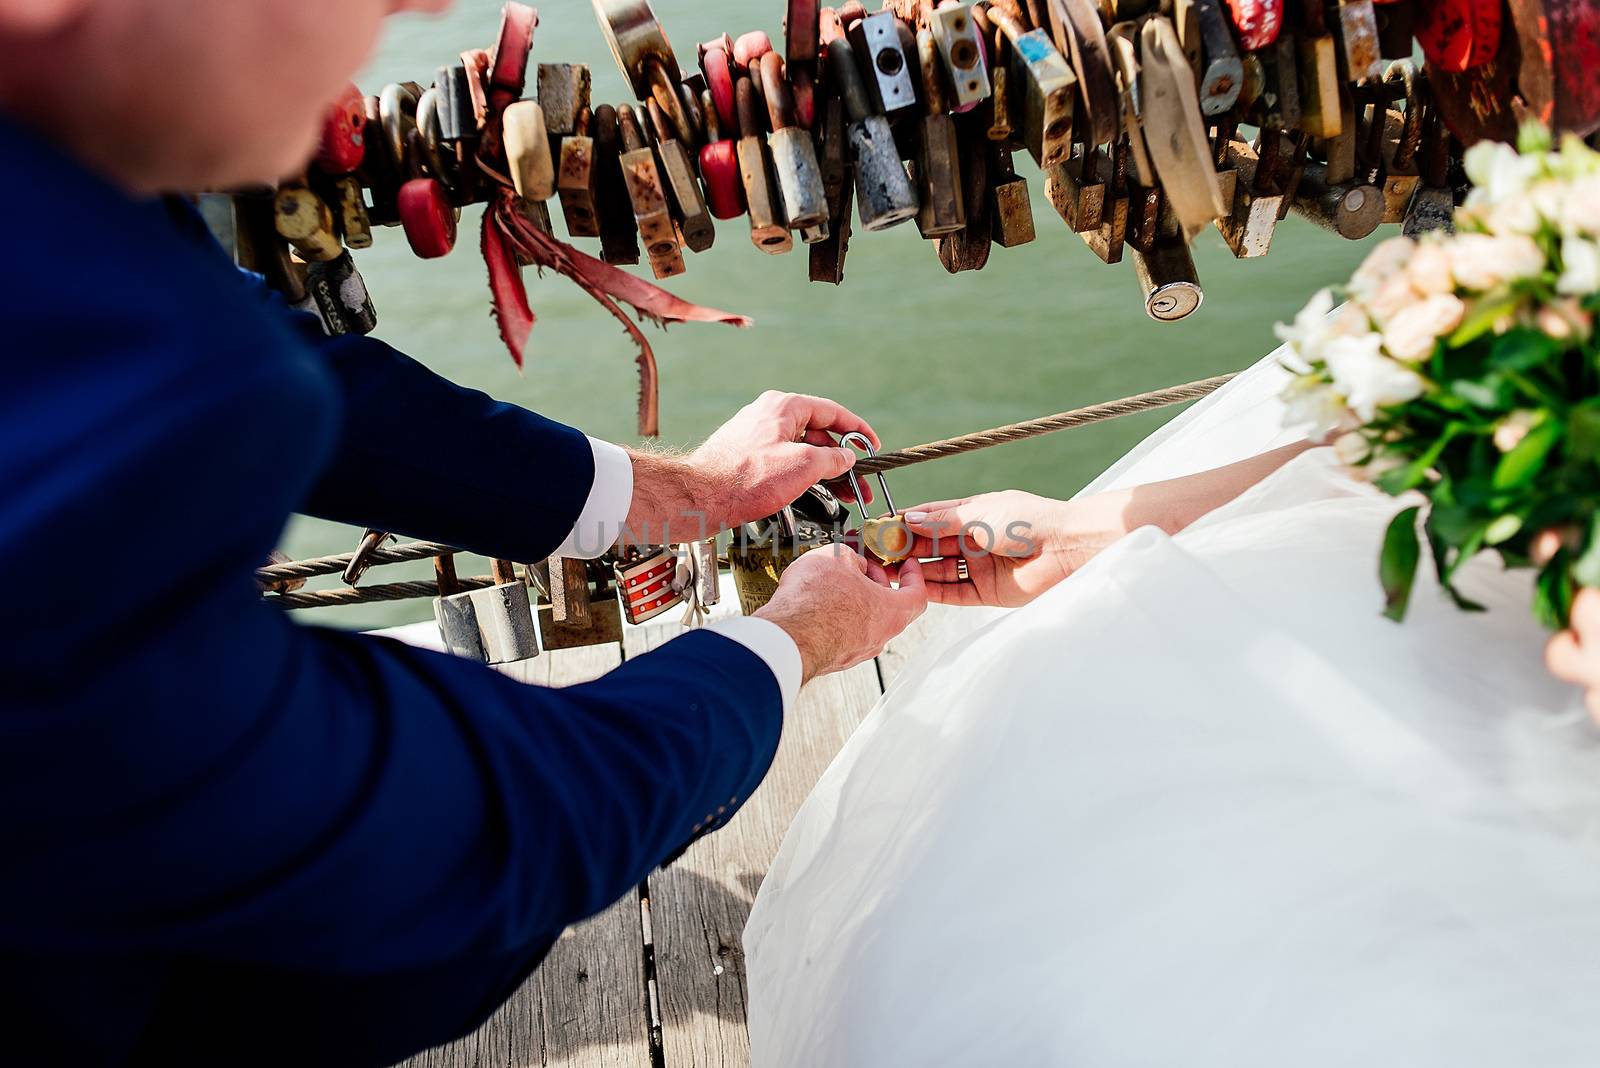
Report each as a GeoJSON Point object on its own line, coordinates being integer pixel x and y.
{"type": "Point", "coordinates": [1465, 367]}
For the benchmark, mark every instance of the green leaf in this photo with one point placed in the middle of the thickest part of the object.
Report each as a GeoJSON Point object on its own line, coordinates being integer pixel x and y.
{"type": "Point", "coordinates": [1517, 467]}
{"type": "Point", "coordinates": [1586, 568]}
{"type": "Point", "coordinates": [1583, 431]}
{"type": "Point", "coordinates": [1501, 529]}
{"type": "Point", "coordinates": [1397, 567]}
{"type": "Point", "coordinates": [1480, 320]}
{"type": "Point", "coordinates": [1552, 594]}
{"type": "Point", "coordinates": [1494, 392]}
{"type": "Point", "coordinates": [1410, 476]}
{"type": "Point", "coordinates": [1521, 349]}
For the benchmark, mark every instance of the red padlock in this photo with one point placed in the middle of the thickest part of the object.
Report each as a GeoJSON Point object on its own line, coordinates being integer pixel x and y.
{"type": "Point", "coordinates": [749, 49]}
{"type": "Point", "coordinates": [716, 63]}
{"type": "Point", "coordinates": [508, 64]}
{"type": "Point", "coordinates": [803, 87]}
{"type": "Point", "coordinates": [719, 166]}
{"type": "Point", "coordinates": [344, 143]}
{"type": "Point", "coordinates": [428, 217]}
{"type": "Point", "coordinates": [1257, 21]}
{"type": "Point", "coordinates": [1457, 35]}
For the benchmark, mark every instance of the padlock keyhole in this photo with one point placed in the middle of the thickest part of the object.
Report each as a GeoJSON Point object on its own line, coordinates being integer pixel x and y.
{"type": "Point", "coordinates": [890, 62]}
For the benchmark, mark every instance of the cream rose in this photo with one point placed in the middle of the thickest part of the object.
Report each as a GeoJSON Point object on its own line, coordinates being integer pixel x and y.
{"type": "Point", "coordinates": [1411, 334]}
{"type": "Point", "coordinates": [1482, 262]}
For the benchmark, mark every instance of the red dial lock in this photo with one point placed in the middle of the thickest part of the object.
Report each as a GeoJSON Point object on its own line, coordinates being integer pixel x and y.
{"type": "Point", "coordinates": [428, 217]}
{"type": "Point", "coordinates": [1457, 35]}
{"type": "Point", "coordinates": [719, 166]}
{"type": "Point", "coordinates": [344, 133]}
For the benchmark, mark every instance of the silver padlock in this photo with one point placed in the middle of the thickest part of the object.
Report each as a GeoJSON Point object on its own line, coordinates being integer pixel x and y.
{"type": "Point", "coordinates": [494, 625]}
{"type": "Point", "coordinates": [1166, 273]}
{"type": "Point", "coordinates": [884, 193]}
{"type": "Point", "coordinates": [794, 155]}
{"type": "Point", "coordinates": [1351, 209]}
{"type": "Point", "coordinates": [876, 40]}
{"type": "Point", "coordinates": [1223, 73]}
{"type": "Point", "coordinates": [959, 46]}
{"type": "Point", "coordinates": [341, 297]}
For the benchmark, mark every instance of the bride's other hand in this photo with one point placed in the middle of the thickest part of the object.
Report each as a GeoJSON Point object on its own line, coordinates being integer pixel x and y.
{"type": "Point", "coordinates": [1574, 654]}
{"type": "Point", "coordinates": [1011, 546]}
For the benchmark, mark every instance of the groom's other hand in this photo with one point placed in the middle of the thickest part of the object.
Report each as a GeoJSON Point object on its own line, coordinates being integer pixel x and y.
{"type": "Point", "coordinates": [1001, 549]}
{"type": "Point", "coordinates": [841, 608]}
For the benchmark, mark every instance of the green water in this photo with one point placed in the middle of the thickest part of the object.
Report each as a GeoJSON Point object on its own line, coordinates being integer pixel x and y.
{"type": "Point", "coordinates": [920, 353]}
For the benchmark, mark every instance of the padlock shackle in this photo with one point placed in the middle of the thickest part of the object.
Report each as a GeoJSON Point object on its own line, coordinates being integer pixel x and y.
{"type": "Point", "coordinates": [780, 98]}
{"type": "Point", "coordinates": [847, 76]}
{"type": "Point", "coordinates": [857, 440]}
{"type": "Point", "coordinates": [631, 133]}
{"type": "Point", "coordinates": [932, 85]}
{"type": "Point", "coordinates": [744, 94]}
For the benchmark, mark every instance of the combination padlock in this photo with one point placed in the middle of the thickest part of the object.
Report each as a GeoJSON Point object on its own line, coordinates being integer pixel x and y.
{"type": "Point", "coordinates": [769, 231]}
{"type": "Point", "coordinates": [886, 537]}
{"type": "Point", "coordinates": [884, 194]}
{"type": "Point", "coordinates": [678, 171]}
{"type": "Point", "coordinates": [794, 156]}
{"type": "Point", "coordinates": [645, 576]}
{"type": "Point", "coordinates": [648, 196]}
{"type": "Point", "coordinates": [938, 159]}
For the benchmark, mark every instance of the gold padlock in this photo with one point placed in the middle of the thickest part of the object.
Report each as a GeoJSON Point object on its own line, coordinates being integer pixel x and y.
{"type": "Point", "coordinates": [887, 537]}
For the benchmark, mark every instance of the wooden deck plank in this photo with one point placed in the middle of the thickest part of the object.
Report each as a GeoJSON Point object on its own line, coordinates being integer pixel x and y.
{"type": "Point", "coordinates": [700, 904]}
{"type": "Point", "coordinates": [585, 1005]}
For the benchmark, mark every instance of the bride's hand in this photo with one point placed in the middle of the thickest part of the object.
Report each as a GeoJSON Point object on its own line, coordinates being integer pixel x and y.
{"type": "Point", "coordinates": [1011, 545]}
{"type": "Point", "coordinates": [1574, 654]}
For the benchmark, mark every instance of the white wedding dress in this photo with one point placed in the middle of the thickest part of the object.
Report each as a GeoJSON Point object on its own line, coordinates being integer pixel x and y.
{"type": "Point", "coordinates": [1200, 805]}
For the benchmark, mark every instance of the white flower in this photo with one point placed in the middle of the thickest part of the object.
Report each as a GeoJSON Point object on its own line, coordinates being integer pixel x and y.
{"type": "Point", "coordinates": [1580, 208]}
{"type": "Point", "coordinates": [1515, 215]}
{"type": "Point", "coordinates": [1482, 262]}
{"type": "Point", "coordinates": [1411, 334]}
{"type": "Point", "coordinates": [1580, 260]}
{"type": "Point", "coordinates": [1352, 449]}
{"type": "Point", "coordinates": [1513, 428]}
{"type": "Point", "coordinates": [1497, 172]}
{"type": "Point", "coordinates": [1368, 379]}
{"type": "Point", "coordinates": [1429, 270]}
{"type": "Point", "coordinates": [1304, 338]}
{"type": "Point", "coordinates": [1312, 403]}
{"type": "Point", "coordinates": [1385, 260]}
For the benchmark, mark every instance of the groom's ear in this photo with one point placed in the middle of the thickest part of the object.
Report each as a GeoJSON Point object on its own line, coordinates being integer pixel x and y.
{"type": "Point", "coordinates": [38, 18]}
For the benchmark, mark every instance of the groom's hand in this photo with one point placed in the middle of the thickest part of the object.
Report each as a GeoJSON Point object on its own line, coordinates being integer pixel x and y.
{"type": "Point", "coordinates": [840, 608]}
{"type": "Point", "coordinates": [1001, 549]}
{"type": "Point", "coordinates": [764, 458]}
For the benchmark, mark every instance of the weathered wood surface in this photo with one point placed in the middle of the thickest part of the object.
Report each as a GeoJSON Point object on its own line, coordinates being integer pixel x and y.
{"type": "Point", "coordinates": [591, 1003]}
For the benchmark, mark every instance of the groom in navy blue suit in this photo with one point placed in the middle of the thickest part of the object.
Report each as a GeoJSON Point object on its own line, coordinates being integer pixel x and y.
{"type": "Point", "coordinates": [326, 847]}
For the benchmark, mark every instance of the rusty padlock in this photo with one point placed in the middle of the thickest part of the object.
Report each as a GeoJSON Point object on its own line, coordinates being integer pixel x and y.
{"type": "Point", "coordinates": [884, 193]}
{"type": "Point", "coordinates": [305, 221]}
{"type": "Point", "coordinates": [794, 155]}
{"type": "Point", "coordinates": [683, 183]}
{"type": "Point", "coordinates": [1317, 66]}
{"type": "Point", "coordinates": [938, 160]}
{"type": "Point", "coordinates": [1350, 209]}
{"type": "Point", "coordinates": [1221, 72]}
{"type": "Point", "coordinates": [1043, 91]}
{"type": "Point", "coordinates": [1123, 40]}
{"type": "Point", "coordinates": [1249, 227]}
{"type": "Point", "coordinates": [1107, 240]}
{"type": "Point", "coordinates": [890, 83]}
{"type": "Point", "coordinates": [1402, 136]}
{"type": "Point", "coordinates": [639, 45]}
{"type": "Point", "coordinates": [647, 194]}
{"type": "Point", "coordinates": [1077, 192]}
{"type": "Point", "coordinates": [1079, 36]}
{"type": "Point", "coordinates": [962, 52]}
{"type": "Point", "coordinates": [1433, 205]}
{"type": "Point", "coordinates": [619, 234]}
{"type": "Point", "coordinates": [354, 223]}
{"type": "Point", "coordinates": [1010, 203]}
{"type": "Point", "coordinates": [1358, 38]}
{"type": "Point", "coordinates": [828, 255]}
{"type": "Point", "coordinates": [1175, 137]}
{"type": "Point", "coordinates": [563, 95]}
{"type": "Point", "coordinates": [577, 179]}
{"type": "Point", "coordinates": [968, 248]}
{"type": "Point", "coordinates": [768, 230]}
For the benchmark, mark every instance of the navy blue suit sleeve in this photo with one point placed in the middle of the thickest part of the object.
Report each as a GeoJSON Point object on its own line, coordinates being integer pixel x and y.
{"type": "Point", "coordinates": [424, 457]}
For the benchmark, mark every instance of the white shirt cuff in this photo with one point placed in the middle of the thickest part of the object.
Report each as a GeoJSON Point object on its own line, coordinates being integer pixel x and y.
{"type": "Point", "coordinates": [600, 523]}
{"type": "Point", "coordinates": [773, 645]}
